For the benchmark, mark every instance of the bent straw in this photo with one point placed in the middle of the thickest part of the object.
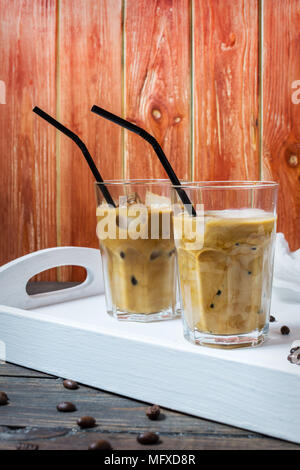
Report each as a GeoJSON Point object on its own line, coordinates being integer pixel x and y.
{"type": "Point", "coordinates": [83, 149]}
{"type": "Point", "coordinates": [156, 147]}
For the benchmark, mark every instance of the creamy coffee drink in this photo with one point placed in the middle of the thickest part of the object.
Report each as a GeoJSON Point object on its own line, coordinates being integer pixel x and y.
{"type": "Point", "coordinates": [226, 273]}
{"type": "Point", "coordinates": [139, 261]}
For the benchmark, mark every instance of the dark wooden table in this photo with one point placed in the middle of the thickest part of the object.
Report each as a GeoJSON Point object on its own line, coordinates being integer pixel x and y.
{"type": "Point", "coordinates": [31, 417]}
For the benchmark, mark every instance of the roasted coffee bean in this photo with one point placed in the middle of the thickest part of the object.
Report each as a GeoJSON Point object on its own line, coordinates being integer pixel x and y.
{"type": "Point", "coordinates": [219, 292]}
{"type": "Point", "coordinates": [237, 244]}
{"type": "Point", "coordinates": [100, 445]}
{"type": "Point", "coordinates": [253, 248]}
{"type": "Point", "coordinates": [155, 254]}
{"type": "Point", "coordinates": [272, 319]}
{"type": "Point", "coordinates": [86, 422]}
{"type": "Point", "coordinates": [285, 330]}
{"type": "Point", "coordinates": [172, 252]}
{"type": "Point", "coordinates": [66, 407]}
{"type": "Point", "coordinates": [212, 305]}
{"type": "Point", "coordinates": [249, 272]}
{"type": "Point", "coordinates": [290, 358]}
{"type": "Point", "coordinates": [133, 281]}
{"type": "Point", "coordinates": [70, 384]}
{"type": "Point", "coordinates": [148, 438]}
{"type": "Point", "coordinates": [3, 399]}
{"type": "Point", "coordinates": [27, 446]}
{"type": "Point", "coordinates": [122, 254]}
{"type": "Point", "coordinates": [153, 412]}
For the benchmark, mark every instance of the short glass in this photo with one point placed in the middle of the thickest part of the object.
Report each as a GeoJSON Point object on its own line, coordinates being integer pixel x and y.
{"type": "Point", "coordinates": [138, 251]}
{"type": "Point", "coordinates": [225, 260]}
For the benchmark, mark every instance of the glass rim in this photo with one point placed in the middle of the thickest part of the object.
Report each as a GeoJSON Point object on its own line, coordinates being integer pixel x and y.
{"type": "Point", "coordinates": [229, 184]}
{"type": "Point", "coordinates": [129, 181]}
{"type": "Point", "coordinates": [206, 184]}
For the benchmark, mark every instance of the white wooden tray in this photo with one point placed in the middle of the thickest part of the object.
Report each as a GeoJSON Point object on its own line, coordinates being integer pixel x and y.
{"type": "Point", "coordinates": [69, 334]}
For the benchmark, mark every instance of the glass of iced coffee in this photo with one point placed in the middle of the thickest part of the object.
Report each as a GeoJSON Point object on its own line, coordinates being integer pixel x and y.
{"type": "Point", "coordinates": [225, 261]}
{"type": "Point", "coordinates": [138, 251]}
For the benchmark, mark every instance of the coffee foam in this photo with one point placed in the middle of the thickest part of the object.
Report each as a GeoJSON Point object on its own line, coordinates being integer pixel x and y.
{"type": "Point", "coordinates": [246, 213]}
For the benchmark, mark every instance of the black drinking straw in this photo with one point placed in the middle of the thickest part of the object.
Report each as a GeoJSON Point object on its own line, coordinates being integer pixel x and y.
{"type": "Point", "coordinates": [156, 147]}
{"type": "Point", "coordinates": [83, 149]}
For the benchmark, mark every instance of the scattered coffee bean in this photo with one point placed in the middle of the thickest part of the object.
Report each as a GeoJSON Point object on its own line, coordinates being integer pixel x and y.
{"type": "Point", "coordinates": [212, 305]}
{"type": "Point", "coordinates": [86, 422]}
{"type": "Point", "coordinates": [133, 281]}
{"type": "Point", "coordinates": [249, 272]}
{"type": "Point", "coordinates": [153, 412]}
{"type": "Point", "coordinates": [100, 445]}
{"type": "Point", "coordinates": [70, 384]}
{"type": "Point", "coordinates": [122, 254]}
{"type": "Point", "coordinates": [294, 349]}
{"type": "Point", "coordinates": [66, 407]}
{"type": "Point", "coordinates": [253, 248]}
{"type": "Point", "coordinates": [148, 438]}
{"type": "Point", "coordinates": [3, 399]}
{"type": "Point", "coordinates": [290, 357]}
{"type": "Point", "coordinates": [272, 319]}
{"type": "Point", "coordinates": [285, 330]}
{"type": "Point", "coordinates": [154, 255]}
{"type": "Point", "coordinates": [172, 252]}
{"type": "Point", "coordinates": [237, 244]}
{"type": "Point", "coordinates": [27, 446]}
{"type": "Point", "coordinates": [219, 292]}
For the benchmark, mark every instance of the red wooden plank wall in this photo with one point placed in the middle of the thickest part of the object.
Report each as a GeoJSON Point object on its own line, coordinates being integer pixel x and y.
{"type": "Point", "coordinates": [211, 79]}
{"type": "Point", "coordinates": [90, 54]}
{"type": "Point", "coordinates": [281, 117]}
{"type": "Point", "coordinates": [158, 85]}
{"type": "Point", "coordinates": [27, 150]}
{"type": "Point", "coordinates": [226, 90]}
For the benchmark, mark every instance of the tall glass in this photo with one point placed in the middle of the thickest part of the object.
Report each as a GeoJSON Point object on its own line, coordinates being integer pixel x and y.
{"type": "Point", "coordinates": [138, 251]}
{"type": "Point", "coordinates": [225, 259]}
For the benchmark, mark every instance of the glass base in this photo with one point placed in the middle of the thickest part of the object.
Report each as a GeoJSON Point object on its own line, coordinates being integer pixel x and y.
{"type": "Point", "coordinates": [169, 314]}
{"type": "Point", "coordinates": [245, 340]}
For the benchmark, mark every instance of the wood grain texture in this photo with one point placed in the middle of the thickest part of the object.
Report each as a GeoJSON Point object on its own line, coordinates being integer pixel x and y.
{"type": "Point", "coordinates": [225, 89]}
{"type": "Point", "coordinates": [11, 370]}
{"type": "Point", "coordinates": [186, 70]}
{"type": "Point", "coordinates": [31, 417]}
{"type": "Point", "coordinates": [157, 85]}
{"type": "Point", "coordinates": [27, 145]}
{"type": "Point", "coordinates": [66, 439]}
{"type": "Point", "coordinates": [281, 117]}
{"type": "Point", "coordinates": [90, 46]}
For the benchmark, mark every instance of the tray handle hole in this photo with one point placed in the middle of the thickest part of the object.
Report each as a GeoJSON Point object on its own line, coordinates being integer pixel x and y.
{"type": "Point", "coordinates": [47, 281]}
